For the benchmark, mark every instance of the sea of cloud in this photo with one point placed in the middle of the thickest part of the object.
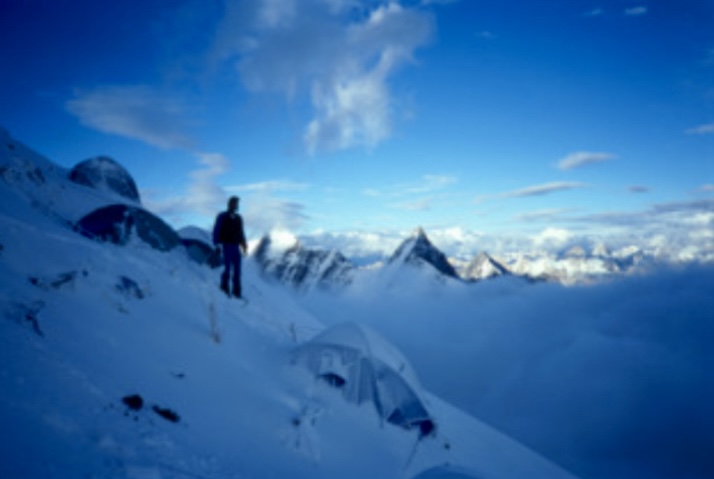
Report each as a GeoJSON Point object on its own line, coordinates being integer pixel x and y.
{"type": "Point", "coordinates": [612, 380]}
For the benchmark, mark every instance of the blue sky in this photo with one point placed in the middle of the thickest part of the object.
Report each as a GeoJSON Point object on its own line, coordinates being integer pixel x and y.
{"type": "Point", "coordinates": [568, 117]}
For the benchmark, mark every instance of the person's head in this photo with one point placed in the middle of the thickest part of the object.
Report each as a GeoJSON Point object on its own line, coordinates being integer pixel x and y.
{"type": "Point", "coordinates": [233, 203]}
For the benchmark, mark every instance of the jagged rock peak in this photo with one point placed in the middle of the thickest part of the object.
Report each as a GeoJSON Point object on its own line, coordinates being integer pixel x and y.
{"type": "Point", "coordinates": [419, 233]}
{"type": "Point", "coordinates": [417, 249]}
{"type": "Point", "coordinates": [303, 268]}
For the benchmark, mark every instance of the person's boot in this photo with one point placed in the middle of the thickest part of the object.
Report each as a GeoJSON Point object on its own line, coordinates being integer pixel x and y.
{"type": "Point", "coordinates": [224, 288]}
{"type": "Point", "coordinates": [237, 292]}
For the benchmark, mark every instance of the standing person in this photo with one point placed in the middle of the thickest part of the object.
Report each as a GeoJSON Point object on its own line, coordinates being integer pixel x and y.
{"type": "Point", "coordinates": [228, 233]}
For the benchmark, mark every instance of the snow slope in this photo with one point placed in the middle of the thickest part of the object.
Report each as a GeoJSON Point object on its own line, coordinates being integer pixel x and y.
{"type": "Point", "coordinates": [86, 325]}
{"type": "Point", "coordinates": [611, 381]}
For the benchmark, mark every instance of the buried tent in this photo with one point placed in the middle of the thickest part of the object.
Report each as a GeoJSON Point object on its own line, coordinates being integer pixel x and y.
{"type": "Point", "coordinates": [367, 368]}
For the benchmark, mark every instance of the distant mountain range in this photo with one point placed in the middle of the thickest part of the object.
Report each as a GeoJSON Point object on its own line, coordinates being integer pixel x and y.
{"type": "Point", "coordinates": [306, 268]}
{"type": "Point", "coordinates": [313, 267]}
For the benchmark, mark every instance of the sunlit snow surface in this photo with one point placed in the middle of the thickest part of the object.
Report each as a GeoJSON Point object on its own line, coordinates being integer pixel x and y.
{"type": "Point", "coordinates": [87, 324]}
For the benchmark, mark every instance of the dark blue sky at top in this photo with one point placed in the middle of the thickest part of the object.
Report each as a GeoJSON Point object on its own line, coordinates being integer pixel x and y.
{"type": "Point", "coordinates": [489, 97]}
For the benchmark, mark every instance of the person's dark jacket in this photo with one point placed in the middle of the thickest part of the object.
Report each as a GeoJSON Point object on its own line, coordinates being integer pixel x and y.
{"type": "Point", "coordinates": [229, 230]}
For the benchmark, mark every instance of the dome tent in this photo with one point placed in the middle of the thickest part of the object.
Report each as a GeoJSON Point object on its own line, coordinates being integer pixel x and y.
{"type": "Point", "coordinates": [366, 367]}
{"type": "Point", "coordinates": [116, 223]}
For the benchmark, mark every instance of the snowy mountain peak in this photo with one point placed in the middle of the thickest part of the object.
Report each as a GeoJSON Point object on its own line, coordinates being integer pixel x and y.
{"type": "Point", "coordinates": [484, 266]}
{"type": "Point", "coordinates": [418, 250]}
{"type": "Point", "coordinates": [301, 267]}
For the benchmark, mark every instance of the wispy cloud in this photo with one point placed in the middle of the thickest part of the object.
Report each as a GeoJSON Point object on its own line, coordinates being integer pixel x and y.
{"type": "Point", "coordinates": [698, 213]}
{"type": "Point", "coordinates": [321, 49]}
{"type": "Point", "coordinates": [639, 189]}
{"type": "Point", "coordinates": [706, 129]}
{"type": "Point", "coordinates": [267, 205]}
{"type": "Point", "coordinates": [709, 188]}
{"type": "Point", "coordinates": [204, 196]}
{"type": "Point", "coordinates": [265, 213]}
{"type": "Point", "coordinates": [636, 11]}
{"type": "Point", "coordinates": [427, 184]}
{"type": "Point", "coordinates": [431, 183]}
{"type": "Point", "coordinates": [583, 158]}
{"type": "Point", "coordinates": [552, 237]}
{"type": "Point", "coordinates": [544, 189]}
{"type": "Point", "coordinates": [270, 187]}
{"type": "Point", "coordinates": [543, 215]}
{"type": "Point", "coordinates": [421, 204]}
{"type": "Point", "coordinates": [138, 112]}
{"type": "Point", "coordinates": [595, 12]}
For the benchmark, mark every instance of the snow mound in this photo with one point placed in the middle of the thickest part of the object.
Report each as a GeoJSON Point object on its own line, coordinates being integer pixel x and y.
{"type": "Point", "coordinates": [367, 368]}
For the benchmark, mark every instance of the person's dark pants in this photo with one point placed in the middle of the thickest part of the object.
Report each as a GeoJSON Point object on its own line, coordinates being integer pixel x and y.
{"type": "Point", "coordinates": [232, 264]}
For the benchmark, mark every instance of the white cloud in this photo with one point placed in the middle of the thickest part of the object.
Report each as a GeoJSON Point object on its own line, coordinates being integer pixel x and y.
{"type": "Point", "coordinates": [707, 188]}
{"type": "Point", "coordinates": [354, 112]}
{"type": "Point", "coordinates": [582, 158]}
{"type": "Point", "coordinates": [264, 213]}
{"type": "Point", "coordinates": [636, 11]}
{"type": "Point", "coordinates": [544, 189]}
{"type": "Point", "coordinates": [552, 237]}
{"type": "Point", "coordinates": [341, 54]}
{"type": "Point", "coordinates": [432, 183]}
{"type": "Point", "coordinates": [138, 112]}
{"type": "Point", "coordinates": [677, 223]}
{"type": "Point", "coordinates": [425, 185]}
{"type": "Point", "coordinates": [270, 187]}
{"type": "Point", "coordinates": [706, 129]}
{"type": "Point", "coordinates": [204, 197]}
{"type": "Point", "coordinates": [543, 215]}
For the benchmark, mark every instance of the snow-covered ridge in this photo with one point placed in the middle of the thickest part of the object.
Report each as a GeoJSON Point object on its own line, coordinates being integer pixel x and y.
{"type": "Point", "coordinates": [577, 260]}
{"type": "Point", "coordinates": [578, 264]}
{"type": "Point", "coordinates": [123, 360]}
{"type": "Point", "coordinates": [302, 268]}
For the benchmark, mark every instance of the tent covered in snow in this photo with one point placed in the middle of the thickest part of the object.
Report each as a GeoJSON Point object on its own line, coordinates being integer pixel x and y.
{"type": "Point", "coordinates": [366, 367]}
{"type": "Point", "coordinates": [116, 223]}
